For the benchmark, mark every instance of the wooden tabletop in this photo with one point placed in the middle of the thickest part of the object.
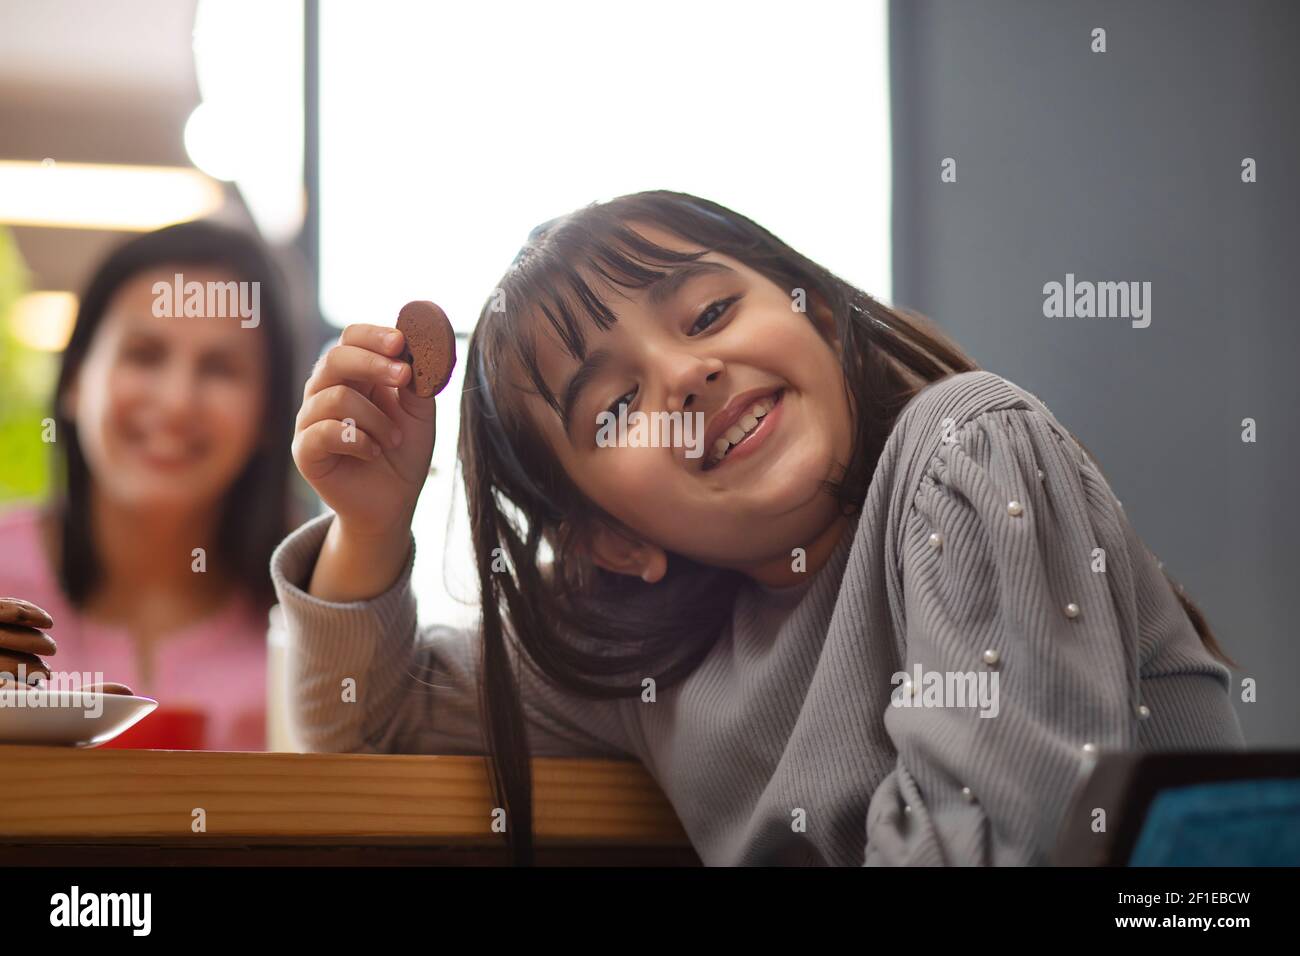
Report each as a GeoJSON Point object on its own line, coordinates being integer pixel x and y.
{"type": "Point", "coordinates": [65, 806]}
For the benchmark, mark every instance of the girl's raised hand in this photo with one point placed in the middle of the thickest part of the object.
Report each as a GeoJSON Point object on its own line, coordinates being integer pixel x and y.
{"type": "Point", "coordinates": [363, 440]}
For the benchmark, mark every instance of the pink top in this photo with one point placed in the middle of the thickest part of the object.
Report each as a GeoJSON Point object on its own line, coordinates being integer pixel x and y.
{"type": "Point", "coordinates": [217, 665]}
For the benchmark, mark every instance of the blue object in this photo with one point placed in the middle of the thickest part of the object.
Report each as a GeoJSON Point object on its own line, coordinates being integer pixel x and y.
{"type": "Point", "coordinates": [1241, 823]}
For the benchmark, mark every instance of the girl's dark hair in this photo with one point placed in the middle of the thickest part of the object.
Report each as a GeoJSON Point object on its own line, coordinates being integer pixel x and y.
{"type": "Point", "coordinates": [590, 631]}
{"type": "Point", "coordinates": [255, 509]}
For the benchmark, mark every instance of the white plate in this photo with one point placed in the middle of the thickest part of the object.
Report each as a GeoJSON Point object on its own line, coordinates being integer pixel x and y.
{"type": "Point", "coordinates": [53, 718]}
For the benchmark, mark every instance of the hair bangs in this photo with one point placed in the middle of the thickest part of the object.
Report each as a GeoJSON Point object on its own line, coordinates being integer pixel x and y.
{"type": "Point", "coordinates": [545, 289]}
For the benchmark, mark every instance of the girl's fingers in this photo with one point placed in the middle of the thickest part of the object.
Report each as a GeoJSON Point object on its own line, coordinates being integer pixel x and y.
{"type": "Point", "coordinates": [315, 446]}
{"type": "Point", "coordinates": [341, 403]}
{"type": "Point", "coordinates": [385, 340]}
{"type": "Point", "coordinates": [402, 405]}
{"type": "Point", "coordinates": [358, 367]}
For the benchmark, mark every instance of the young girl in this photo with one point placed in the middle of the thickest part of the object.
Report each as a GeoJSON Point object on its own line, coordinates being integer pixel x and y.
{"type": "Point", "coordinates": [869, 504]}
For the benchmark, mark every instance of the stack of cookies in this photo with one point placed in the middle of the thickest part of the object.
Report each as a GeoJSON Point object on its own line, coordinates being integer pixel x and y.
{"type": "Point", "coordinates": [23, 641]}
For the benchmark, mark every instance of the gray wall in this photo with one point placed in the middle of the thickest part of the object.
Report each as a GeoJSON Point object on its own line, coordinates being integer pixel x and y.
{"type": "Point", "coordinates": [1126, 166]}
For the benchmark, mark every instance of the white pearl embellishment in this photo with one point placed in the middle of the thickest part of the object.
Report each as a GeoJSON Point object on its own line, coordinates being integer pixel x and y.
{"type": "Point", "coordinates": [1090, 748]}
{"type": "Point", "coordinates": [1072, 610]}
{"type": "Point", "coordinates": [1015, 508]}
{"type": "Point", "coordinates": [991, 657]}
{"type": "Point", "coordinates": [936, 540]}
{"type": "Point", "coordinates": [966, 792]}
{"type": "Point", "coordinates": [1143, 711]}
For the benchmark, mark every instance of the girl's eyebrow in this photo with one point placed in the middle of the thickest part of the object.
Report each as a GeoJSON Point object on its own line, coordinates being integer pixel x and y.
{"type": "Point", "coordinates": [665, 287]}
{"type": "Point", "coordinates": [590, 366]}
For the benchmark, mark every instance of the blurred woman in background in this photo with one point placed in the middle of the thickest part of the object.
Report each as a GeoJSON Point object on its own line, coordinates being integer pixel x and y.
{"type": "Point", "coordinates": [172, 437]}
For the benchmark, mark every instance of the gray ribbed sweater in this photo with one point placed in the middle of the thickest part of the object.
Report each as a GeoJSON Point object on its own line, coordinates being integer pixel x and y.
{"type": "Point", "coordinates": [785, 746]}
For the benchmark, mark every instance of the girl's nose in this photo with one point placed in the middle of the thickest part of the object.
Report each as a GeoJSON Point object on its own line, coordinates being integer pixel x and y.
{"type": "Point", "coordinates": [690, 377]}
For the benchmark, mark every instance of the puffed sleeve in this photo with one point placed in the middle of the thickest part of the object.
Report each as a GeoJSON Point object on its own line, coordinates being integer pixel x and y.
{"type": "Point", "coordinates": [1032, 613]}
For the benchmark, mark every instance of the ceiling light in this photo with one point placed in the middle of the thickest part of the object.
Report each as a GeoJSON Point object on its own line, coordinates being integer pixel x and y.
{"type": "Point", "coordinates": [89, 196]}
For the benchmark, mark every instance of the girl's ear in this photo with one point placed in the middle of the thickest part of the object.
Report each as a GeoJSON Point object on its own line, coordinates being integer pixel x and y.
{"type": "Point", "coordinates": [617, 552]}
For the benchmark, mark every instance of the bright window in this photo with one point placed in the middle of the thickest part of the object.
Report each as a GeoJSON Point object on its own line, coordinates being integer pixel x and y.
{"type": "Point", "coordinates": [449, 130]}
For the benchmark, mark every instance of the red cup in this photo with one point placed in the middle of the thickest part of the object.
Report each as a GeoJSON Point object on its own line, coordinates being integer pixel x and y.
{"type": "Point", "coordinates": [167, 728]}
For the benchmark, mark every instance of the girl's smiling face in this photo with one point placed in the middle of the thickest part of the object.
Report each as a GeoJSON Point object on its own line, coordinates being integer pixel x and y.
{"type": "Point", "coordinates": [718, 339]}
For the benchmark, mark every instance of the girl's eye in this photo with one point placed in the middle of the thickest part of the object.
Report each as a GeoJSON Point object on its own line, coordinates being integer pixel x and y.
{"type": "Point", "coordinates": [622, 400]}
{"type": "Point", "coordinates": [720, 307]}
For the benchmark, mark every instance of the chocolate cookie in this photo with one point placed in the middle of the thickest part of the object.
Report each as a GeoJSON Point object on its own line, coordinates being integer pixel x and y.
{"type": "Point", "coordinates": [10, 661]}
{"type": "Point", "coordinates": [28, 640]}
{"type": "Point", "coordinates": [17, 611]}
{"type": "Point", "coordinates": [110, 687]}
{"type": "Point", "coordinates": [430, 346]}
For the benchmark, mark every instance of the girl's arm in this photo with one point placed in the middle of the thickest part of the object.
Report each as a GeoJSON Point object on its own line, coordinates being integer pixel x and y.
{"type": "Point", "coordinates": [996, 594]}
{"type": "Point", "coordinates": [365, 679]}
{"type": "Point", "coordinates": [362, 677]}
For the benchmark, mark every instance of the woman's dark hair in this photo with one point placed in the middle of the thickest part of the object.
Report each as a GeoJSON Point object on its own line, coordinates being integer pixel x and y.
{"type": "Point", "coordinates": [590, 631]}
{"type": "Point", "coordinates": [255, 508]}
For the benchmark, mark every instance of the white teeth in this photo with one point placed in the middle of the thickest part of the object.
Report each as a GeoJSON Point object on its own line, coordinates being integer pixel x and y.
{"type": "Point", "coordinates": [746, 424]}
